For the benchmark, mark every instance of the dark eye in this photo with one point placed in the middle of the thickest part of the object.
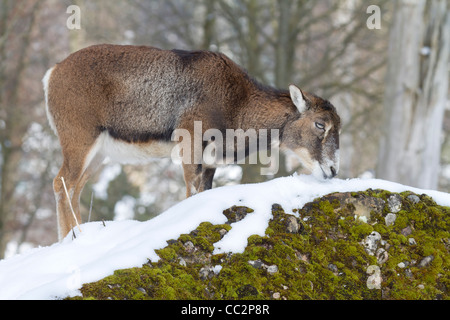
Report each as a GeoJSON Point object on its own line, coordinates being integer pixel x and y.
{"type": "Point", "coordinates": [320, 126]}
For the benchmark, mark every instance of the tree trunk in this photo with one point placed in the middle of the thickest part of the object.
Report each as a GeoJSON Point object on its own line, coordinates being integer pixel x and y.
{"type": "Point", "coordinates": [16, 122]}
{"type": "Point", "coordinates": [416, 93]}
{"type": "Point", "coordinates": [284, 48]}
{"type": "Point", "coordinates": [209, 25]}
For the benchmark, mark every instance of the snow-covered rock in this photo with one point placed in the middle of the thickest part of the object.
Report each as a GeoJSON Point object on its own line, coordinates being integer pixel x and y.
{"type": "Point", "coordinates": [59, 270]}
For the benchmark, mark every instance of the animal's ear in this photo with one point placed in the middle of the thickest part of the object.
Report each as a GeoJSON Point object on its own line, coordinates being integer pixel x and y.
{"type": "Point", "coordinates": [297, 98]}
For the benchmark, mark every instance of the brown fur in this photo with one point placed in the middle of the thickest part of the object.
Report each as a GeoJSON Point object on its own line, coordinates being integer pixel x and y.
{"type": "Point", "coordinates": [137, 96]}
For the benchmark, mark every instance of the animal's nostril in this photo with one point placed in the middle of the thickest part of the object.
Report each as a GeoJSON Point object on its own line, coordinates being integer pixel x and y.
{"type": "Point", "coordinates": [333, 171]}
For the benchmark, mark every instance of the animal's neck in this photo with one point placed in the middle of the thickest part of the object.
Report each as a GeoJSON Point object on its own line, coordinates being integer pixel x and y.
{"type": "Point", "coordinates": [266, 108]}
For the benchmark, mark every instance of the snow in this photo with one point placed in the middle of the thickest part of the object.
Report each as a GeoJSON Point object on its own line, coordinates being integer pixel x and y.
{"type": "Point", "coordinates": [59, 270]}
{"type": "Point", "coordinates": [110, 173]}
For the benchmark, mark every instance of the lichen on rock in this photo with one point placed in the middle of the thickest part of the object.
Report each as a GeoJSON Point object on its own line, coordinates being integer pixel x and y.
{"type": "Point", "coordinates": [321, 251]}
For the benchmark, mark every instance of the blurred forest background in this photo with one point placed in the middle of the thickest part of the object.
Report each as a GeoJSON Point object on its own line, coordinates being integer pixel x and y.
{"type": "Point", "coordinates": [383, 64]}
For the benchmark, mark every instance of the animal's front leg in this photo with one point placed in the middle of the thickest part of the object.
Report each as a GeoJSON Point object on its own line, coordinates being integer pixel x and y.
{"type": "Point", "coordinates": [192, 178]}
{"type": "Point", "coordinates": [207, 179]}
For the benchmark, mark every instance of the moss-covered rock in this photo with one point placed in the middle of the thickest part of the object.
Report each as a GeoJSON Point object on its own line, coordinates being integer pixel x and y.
{"type": "Point", "coordinates": [359, 245]}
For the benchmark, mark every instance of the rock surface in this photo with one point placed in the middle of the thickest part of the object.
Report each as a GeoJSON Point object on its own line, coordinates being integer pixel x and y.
{"type": "Point", "coordinates": [340, 246]}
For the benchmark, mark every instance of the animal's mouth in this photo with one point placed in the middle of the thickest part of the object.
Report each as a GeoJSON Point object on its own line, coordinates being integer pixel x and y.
{"type": "Point", "coordinates": [329, 175]}
{"type": "Point", "coordinates": [323, 172]}
{"type": "Point", "coordinates": [330, 167]}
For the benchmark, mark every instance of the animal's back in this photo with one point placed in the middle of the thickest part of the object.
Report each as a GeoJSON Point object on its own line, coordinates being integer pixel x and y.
{"type": "Point", "coordinates": [140, 93]}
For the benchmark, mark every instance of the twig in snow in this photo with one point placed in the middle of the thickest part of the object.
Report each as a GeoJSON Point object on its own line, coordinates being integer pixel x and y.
{"type": "Point", "coordinates": [90, 207]}
{"type": "Point", "coordinates": [70, 203]}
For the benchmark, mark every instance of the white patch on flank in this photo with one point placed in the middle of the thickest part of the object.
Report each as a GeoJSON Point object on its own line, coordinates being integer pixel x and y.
{"type": "Point", "coordinates": [45, 82]}
{"type": "Point", "coordinates": [128, 153]}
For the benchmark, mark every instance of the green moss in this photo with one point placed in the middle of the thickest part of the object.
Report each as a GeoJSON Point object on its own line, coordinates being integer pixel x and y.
{"type": "Point", "coordinates": [167, 253]}
{"type": "Point", "coordinates": [326, 207]}
{"type": "Point", "coordinates": [360, 230]}
{"type": "Point", "coordinates": [323, 258]}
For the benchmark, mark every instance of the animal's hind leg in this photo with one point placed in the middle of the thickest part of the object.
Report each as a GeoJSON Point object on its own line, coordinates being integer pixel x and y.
{"type": "Point", "coordinates": [66, 220]}
{"type": "Point", "coordinates": [78, 165]}
{"type": "Point", "coordinates": [91, 168]}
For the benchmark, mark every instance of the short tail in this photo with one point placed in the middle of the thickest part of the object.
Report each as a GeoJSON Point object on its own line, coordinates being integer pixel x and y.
{"type": "Point", "coordinates": [45, 82]}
